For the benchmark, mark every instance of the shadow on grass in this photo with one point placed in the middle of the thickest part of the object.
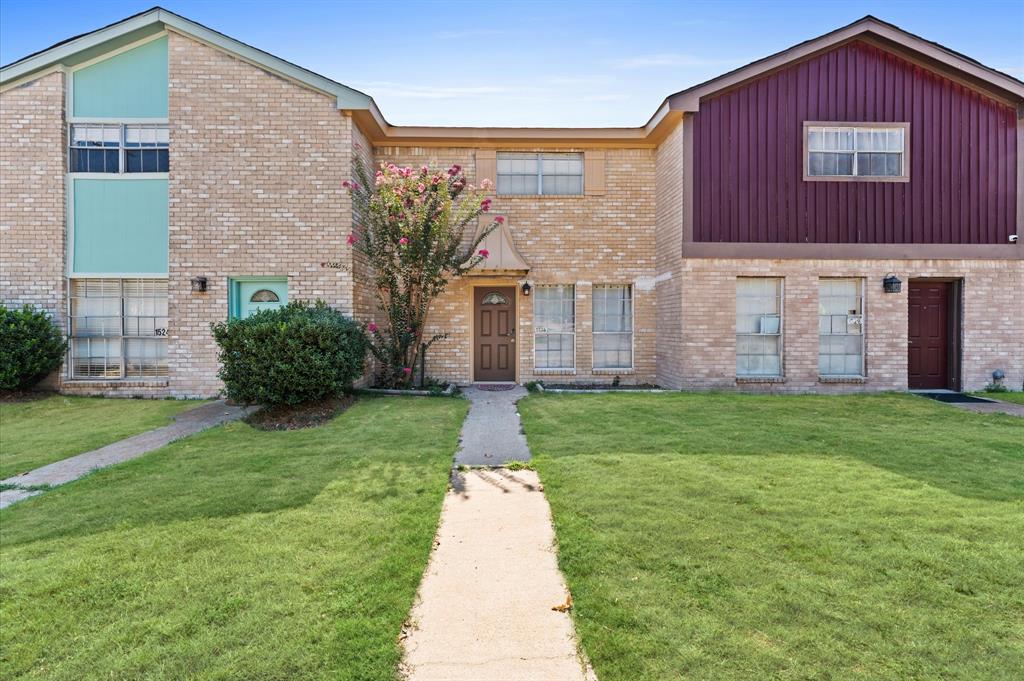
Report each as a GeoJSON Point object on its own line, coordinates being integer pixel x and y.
{"type": "Point", "coordinates": [971, 455]}
{"type": "Point", "coordinates": [235, 469]}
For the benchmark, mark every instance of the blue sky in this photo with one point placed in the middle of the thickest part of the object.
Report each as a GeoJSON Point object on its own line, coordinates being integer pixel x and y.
{"type": "Point", "coordinates": [529, 63]}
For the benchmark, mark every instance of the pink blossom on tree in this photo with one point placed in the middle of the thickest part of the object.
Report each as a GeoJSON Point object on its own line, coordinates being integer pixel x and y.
{"type": "Point", "coordinates": [412, 233]}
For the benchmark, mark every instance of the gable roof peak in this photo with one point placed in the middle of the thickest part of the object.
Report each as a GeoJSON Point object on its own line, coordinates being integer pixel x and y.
{"type": "Point", "coordinates": [940, 55]}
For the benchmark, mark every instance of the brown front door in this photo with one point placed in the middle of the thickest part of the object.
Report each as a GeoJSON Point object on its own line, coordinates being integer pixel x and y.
{"type": "Point", "coordinates": [494, 312]}
{"type": "Point", "coordinates": [929, 335]}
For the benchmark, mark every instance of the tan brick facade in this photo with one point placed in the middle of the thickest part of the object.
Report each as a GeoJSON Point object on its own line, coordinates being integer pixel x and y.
{"type": "Point", "coordinates": [255, 189]}
{"type": "Point", "coordinates": [993, 321]}
{"type": "Point", "coordinates": [579, 240]}
{"type": "Point", "coordinates": [669, 241]}
{"type": "Point", "coordinates": [32, 163]}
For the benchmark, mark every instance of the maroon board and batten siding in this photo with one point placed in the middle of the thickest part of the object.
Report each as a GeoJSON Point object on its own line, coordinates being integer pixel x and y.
{"type": "Point", "coordinates": [748, 157]}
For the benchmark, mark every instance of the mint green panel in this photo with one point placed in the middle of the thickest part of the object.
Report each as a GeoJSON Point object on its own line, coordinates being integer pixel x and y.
{"type": "Point", "coordinates": [120, 226]}
{"type": "Point", "coordinates": [132, 84]}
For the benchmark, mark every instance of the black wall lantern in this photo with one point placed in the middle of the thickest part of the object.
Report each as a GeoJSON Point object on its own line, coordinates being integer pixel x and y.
{"type": "Point", "coordinates": [892, 284]}
{"type": "Point", "coordinates": [199, 284]}
{"type": "Point", "coordinates": [527, 288]}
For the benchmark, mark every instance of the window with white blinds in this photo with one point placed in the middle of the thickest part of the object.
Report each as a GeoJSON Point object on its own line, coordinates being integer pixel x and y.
{"type": "Point", "coordinates": [758, 327]}
{"type": "Point", "coordinates": [526, 174]}
{"type": "Point", "coordinates": [868, 152]}
{"type": "Point", "coordinates": [554, 327]}
{"type": "Point", "coordinates": [841, 327]}
{"type": "Point", "coordinates": [613, 327]}
{"type": "Point", "coordinates": [118, 328]}
{"type": "Point", "coordinates": [117, 148]}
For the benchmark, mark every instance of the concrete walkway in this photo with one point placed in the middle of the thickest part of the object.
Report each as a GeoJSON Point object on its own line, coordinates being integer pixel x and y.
{"type": "Point", "coordinates": [485, 607]}
{"type": "Point", "coordinates": [492, 434]}
{"type": "Point", "coordinates": [186, 423]}
{"type": "Point", "coordinates": [484, 611]}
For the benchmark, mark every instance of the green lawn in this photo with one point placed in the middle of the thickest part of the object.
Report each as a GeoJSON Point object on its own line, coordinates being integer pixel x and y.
{"type": "Point", "coordinates": [807, 537]}
{"type": "Point", "coordinates": [33, 434]}
{"type": "Point", "coordinates": [232, 554]}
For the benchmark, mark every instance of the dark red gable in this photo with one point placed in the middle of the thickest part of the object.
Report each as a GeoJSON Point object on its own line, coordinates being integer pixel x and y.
{"type": "Point", "coordinates": [748, 157]}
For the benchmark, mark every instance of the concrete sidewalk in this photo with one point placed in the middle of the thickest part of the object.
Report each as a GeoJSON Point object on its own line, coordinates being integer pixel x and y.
{"type": "Point", "coordinates": [484, 611]}
{"type": "Point", "coordinates": [492, 434]}
{"type": "Point", "coordinates": [60, 472]}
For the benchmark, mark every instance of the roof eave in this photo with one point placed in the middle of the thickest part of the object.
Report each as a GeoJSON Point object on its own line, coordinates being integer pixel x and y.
{"type": "Point", "coordinates": [347, 98]}
{"type": "Point", "coordinates": [689, 100]}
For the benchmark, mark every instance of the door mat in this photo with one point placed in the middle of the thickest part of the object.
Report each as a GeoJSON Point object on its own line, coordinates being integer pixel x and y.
{"type": "Point", "coordinates": [953, 398]}
{"type": "Point", "coordinates": [494, 387]}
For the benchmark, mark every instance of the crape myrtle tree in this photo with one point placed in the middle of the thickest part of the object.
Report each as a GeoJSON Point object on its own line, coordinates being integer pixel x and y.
{"type": "Point", "coordinates": [411, 225]}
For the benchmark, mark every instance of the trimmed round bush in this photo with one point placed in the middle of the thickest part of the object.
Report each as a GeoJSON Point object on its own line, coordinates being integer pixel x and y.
{"type": "Point", "coordinates": [297, 353]}
{"type": "Point", "coordinates": [31, 347]}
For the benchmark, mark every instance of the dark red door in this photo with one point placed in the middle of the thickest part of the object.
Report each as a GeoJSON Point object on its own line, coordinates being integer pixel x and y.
{"type": "Point", "coordinates": [494, 356]}
{"type": "Point", "coordinates": [929, 335]}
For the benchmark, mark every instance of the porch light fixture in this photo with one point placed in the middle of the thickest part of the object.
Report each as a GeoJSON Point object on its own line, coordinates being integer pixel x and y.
{"type": "Point", "coordinates": [199, 284]}
{"type": "Point", "coordinates": [527, 288]}
{"type": "Point", "coordinates": [892, 284]}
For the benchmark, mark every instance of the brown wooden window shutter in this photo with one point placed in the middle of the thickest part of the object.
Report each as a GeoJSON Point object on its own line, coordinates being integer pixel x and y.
{"type": "Point", "coordinates": [486, 165]}
{"type": "Point", "coordinates": [593, 173]}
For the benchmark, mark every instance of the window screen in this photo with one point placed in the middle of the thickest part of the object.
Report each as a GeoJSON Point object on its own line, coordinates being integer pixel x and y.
{"type": "Point", "coordinates": [116, 148]}
{"type": "Point", "coordinates": [613, 327]}
{"type": "Point", "coordinates": [524, 174]}
{"type": "Point", "coordinates": [855, 152]}
{"type": "Point", "coordinates": [554, 324]}
{"type": "Point", "coordinates": [758, 326]}
{"type": "Point", "coordinates": [841, 327]}
{"type": "Point", "coordinates": [118, 328]}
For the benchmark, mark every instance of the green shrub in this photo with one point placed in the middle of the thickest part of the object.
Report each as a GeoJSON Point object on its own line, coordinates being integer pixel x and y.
{"type": "Point", "coordinates": [294, 354]}
{"type": "Point", "coordinates": [31, 347]}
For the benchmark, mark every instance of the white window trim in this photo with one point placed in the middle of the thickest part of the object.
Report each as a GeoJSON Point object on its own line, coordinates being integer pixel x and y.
{"type": "Point", "coordinates": [632, 330]}
{"type": "Point", "coordinates": [540, 172]}
{"type": "Point", "coordinates": [904, 175]}
{"type": "Point", "coordinates": [862, 289]}
{"type": "Point", "coordinates": [749, 378]}
{"type": "Point", "coordinates": [556, 370]}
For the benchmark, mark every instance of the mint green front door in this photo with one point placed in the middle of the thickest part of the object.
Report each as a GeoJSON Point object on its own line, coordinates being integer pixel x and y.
{"type": "Point", "coordinates": [250, 296]}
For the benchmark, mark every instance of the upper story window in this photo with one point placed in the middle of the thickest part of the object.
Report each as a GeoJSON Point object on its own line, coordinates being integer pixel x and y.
{"type": "Point", "coordinates": [532, 174]}
{"type": "Point", "coordinates": [119, 148]}
{"type": "Point", "coordinates": [863, 152]}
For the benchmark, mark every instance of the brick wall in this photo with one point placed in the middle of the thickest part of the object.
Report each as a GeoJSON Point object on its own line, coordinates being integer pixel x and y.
{"type": "Point", "coordinates": [669, 241]}
{"type": "Point", "coordinates": [32, 201]}
{"type": "Point", "coordinates": [579, 240]}
{"type": "Point", "coordinates": [993, 321]}
{"type": "Point", "coordinates": [257, 164]}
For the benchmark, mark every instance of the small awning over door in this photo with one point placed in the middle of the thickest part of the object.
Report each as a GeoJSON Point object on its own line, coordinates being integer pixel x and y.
{"type": "Point", "coordinates": [503, 256]}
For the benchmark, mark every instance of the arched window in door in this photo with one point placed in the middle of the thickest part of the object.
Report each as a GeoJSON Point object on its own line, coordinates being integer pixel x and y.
{"type": "Point", "coordinates": [494, 298]}
{"type": "Point", "coordinates": [264, 295]}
